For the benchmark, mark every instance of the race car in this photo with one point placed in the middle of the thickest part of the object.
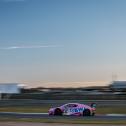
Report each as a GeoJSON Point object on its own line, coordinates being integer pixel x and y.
{"type": "Point", "coordinates": [74, 109]}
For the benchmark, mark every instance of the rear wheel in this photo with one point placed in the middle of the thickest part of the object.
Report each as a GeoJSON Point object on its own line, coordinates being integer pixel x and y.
{"type": "Point", "coordinates": [58, 112]}
{"type": "Point", "coordinates": [93, 114]}
{"type": "Point", "coordinates": [86, 112]}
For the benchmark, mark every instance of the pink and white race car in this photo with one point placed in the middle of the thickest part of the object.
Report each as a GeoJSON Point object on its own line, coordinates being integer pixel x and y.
{"type": "Point", "coordinates": [74, 109]}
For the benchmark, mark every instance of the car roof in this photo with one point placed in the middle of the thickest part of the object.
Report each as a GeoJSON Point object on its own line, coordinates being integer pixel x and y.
{"type": "Point", "coordinates": [72, 103]}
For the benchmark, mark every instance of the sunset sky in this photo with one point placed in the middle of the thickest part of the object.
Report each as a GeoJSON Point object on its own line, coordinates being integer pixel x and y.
{"type": "Point", "coordinates": [62, 42]}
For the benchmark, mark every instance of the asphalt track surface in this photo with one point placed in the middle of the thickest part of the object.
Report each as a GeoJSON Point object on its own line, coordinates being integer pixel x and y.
{"type": "Point", "coordinates": [45, 115]}
{"type": "Point", "coordinates": [32, 102]}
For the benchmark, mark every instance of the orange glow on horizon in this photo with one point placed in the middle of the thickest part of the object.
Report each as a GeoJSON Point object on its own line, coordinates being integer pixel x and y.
{"type": "Point", "coordinates": [67, 84]}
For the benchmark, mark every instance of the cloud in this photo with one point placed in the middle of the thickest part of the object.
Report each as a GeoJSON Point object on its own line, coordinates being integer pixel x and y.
{"type": "Point", "coordinates": [29, 47]}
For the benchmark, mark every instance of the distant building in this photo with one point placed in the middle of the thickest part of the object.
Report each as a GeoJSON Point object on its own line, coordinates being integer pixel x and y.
{"type": "Point", "coordinates": [10, 88]}
{"type": "Point", "coordinates": [118, 85]}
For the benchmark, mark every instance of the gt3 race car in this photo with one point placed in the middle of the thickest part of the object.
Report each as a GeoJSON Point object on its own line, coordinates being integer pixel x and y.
{"type": "Point", "coordinates": [74, 109]}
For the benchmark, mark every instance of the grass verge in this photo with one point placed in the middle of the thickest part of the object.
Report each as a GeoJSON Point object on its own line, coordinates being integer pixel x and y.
{"type": "Point", "coordinates": [64, 121]}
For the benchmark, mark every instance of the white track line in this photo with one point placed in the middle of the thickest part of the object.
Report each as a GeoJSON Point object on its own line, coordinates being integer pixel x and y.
{"type": "Point", "coordinates": [115, 114]}
{"type": "Point", "coordinates": [24, 113]}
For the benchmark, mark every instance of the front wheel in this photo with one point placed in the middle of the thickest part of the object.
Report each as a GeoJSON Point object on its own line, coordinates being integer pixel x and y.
{"type": "Point", "coordinates": [58, 112]}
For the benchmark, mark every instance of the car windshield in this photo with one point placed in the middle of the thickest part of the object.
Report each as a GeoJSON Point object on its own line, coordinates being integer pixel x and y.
{"type": "Point", "coordinates": [71, 105]}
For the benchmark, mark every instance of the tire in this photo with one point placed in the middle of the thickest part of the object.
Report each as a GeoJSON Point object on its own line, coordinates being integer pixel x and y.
{"type": "Point", "coordinates": [58, 112]}
{"type": "Point", "coordinates": [93, 114]}
{"type": "Point", "coordinates": [86, 112]}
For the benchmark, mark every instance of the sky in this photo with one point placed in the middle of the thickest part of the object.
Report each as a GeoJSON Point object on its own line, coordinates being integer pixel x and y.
{"type": "Point", "coordinates": [64, 43]}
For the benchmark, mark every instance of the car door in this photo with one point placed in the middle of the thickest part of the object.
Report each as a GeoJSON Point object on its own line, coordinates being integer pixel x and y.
{"type": "Point", "coordinates": [70, 109]}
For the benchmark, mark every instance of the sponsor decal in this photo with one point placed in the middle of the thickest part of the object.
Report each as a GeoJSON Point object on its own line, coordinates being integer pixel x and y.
{"type": "Point", "coordinates": [75, 110]}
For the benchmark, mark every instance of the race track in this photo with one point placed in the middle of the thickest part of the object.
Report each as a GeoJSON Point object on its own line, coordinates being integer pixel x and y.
{"type": "Point", "coordinates": [45, 115]}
